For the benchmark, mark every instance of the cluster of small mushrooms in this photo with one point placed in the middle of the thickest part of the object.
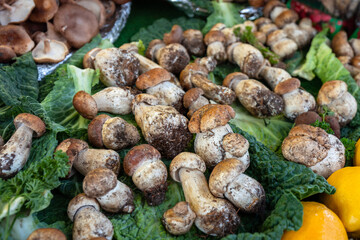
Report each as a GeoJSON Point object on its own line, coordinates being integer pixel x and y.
{"type": "Point", "coordinates": [169, 110]}
{"type": "Point", "coordinates": [50, 29]}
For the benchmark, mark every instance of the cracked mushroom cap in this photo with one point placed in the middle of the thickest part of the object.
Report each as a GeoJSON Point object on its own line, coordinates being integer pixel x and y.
{"type": "Point", "coordinates": [179, 219]}
{"type": "Point", "coordinates": [17, 38]}
{"type": "Point", "coordinates": [49, 51]}
{"type": "Point", "coordinates": [6, 54]}
{"type": "Point", "coordinates": [31, 121]}
{"type": "Point", "coordinates": [209, 117]}
{"type": "Point", "coordinates": [47, 233]}
{"type": "Point", "coordinates": [44, 10]}
{"type": "Point", "coordinates": [186, 160]}
{"type": "Point", "coordinates": [152, 78]}
{"type": "Point", "coordinates": [98, 182]}
{"type": "Point", "coordinates": [85, 105]}
{"type": "Point", "coordinates": [17, 12]}
{"type": "Point", "coordinates": [81, 200]}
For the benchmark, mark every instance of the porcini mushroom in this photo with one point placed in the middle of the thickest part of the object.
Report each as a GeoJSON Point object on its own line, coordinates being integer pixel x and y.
{"type": "Point", "coordinates": [179, 219]}
{"type": "Point", "coordinates": [174, 36]}
{"type": "Point", "coordinates": [89, 58]}
{"type": "Point", "coordinates": [227, 180]}
{"type": "Point", "coordinates": [341, 46]}
{"type": "Point", "coordinates": [47, 233]}
{"type": "Point", "coordinates": [279, 13]}
{"type": "Point", "coordinates": [15, 153]}
{"type": "Point", "coordinates": [214, 216]}
{"type": "Point", "coordinates": [143, 163]}
{"type": "Point", "coordinates": [162, 126]}
{"type": "Point", "coordinates": [89, 222]}
{"type": "Point", "coordinates": [49, 51]}
{"type": "Point", "coordinates": [194, 99]}
{"type": "Point", "coordinates": [193, 41]}
{"type": "Point", "coordinates": [16, 11]}
{"type": "Point", "coordinates": [44, 10]}
{"type": "Point", "coordinates": [215, 41]}
{"type": "Point", "coordinates": [17, 38]}
{"type": "Point", "coordinates": [281, 44]}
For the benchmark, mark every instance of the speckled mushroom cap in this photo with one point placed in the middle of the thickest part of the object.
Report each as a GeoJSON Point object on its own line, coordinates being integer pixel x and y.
{"type": "Point", "coordinates": [31, 121]}
{"type": "Point", "coordinates": [89, 58]}
{"type": "Point", "coordinates": [95, 130]}
{"type": "Point", "coordinates": [192, 95]}
{"type": "Point", "coordinates": [152, 78]}
{"type": "Point", "coordinates": [209, 117]}
{"type": "Point", "coordinates": [137, 155]}
{"type": "Point", "coordinates": [192, 68]}
{"type": "Point", "coordinates": [98, 182]}
{"type": "Point", "coordinates": [193, 42]}
{"type": "Point", "coordinates": [47, 234]}
{"type": "Point", "coordinates": [214, 36]}
{"type": "Point", "coordinates": [223, 174]}
{"type": "Point", "coordinates": [287, 86]}
{"type": "Point", "coordinates": [85, 105]}
{"type": "Point", "coordinates": [235, 144]}
{"type": "Point", "coordinates": [173, 57]}
{"type": "Point", "coordinates": [186, 160]}
{"type": "Point", "coordinates": [231, 79]}
{"type": "Point", "coordinates": [179, 219]}
{"type": "Point", "coordinates": [81, 200]}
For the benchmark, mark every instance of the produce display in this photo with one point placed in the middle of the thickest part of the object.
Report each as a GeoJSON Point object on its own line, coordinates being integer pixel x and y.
{"type": "Point", "coordinates": [221, 125]}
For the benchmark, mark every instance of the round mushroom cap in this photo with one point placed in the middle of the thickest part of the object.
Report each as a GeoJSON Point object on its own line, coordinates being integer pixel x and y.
{"type": "Point", "coordinates": [330, 91]}
{"type": "Point", "coordinates": [17, 38]}
{"type": "Point", "coordinates": [95, 130]}
{"type": "Point", "coordinates": [77, 24]}
{"type": "Point", "coordinates": [98, 182]}
{"type": "Point", "coordinates": [85, 105]}
{"type": "Point", "coordinates": [287, 86]}
{"type": "Point", "coordinates": [49, 51]}
{"type": "Point", "coordinates": [152, 78]}
{"type": "Point", "coordinates": [79, 201]}
{"type": "Point", "coordinates": [179, 219]}
{"type": "Point", "coordinates": [138, 155]}
{"type": "Point", "coordinates": [309, 117]}
{"type": "Point", "coordinates": [215, 36]}
{"type": "Point", "coordinates": [286, 17]}
{"type": "Point", "coordinates": [153, 48]}
{"type": "Point", "coordinates": [186, 160]}
{"type": "Point", "coordinates": [18, 12]}
{"type": "Point", "coordinates": [6, 54]}
{"type": "Point", "coordinates": [110, 8]}
{"type": "Point", "coordinates": [89, 58]}
{"type": "Point", "coordinates": [232, 79]}
{"type": "Point", "coordinates": [235, 144]}
{"type": "Point", "coordinates": [193, 42]}
{"type": "Point", "coordinates": [262, 21]}
{"type": "Point", "coordinates": [44, 10]}
{"type": "Point", "coordinates": [188, 71]}
{"type": "Point", "coordinates": [175, 36]}
{"type": "Point", "coordinates": [191, 96]}
{"type": "Point", "coordinates": [271, 5]}
{"type": "Point", "coordinates": [174, 58]}
{"type": "Point", "coordinates": [96, 7]}
{"type": "Point", "coordinates": [223, 174]}
{"type": "Point", "coordinates": [47, 234]}
{"type": "Point", "coordinates": [31, 121]}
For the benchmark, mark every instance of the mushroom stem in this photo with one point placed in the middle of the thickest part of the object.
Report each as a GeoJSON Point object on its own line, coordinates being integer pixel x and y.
{"type": "Point", "coordinates": [46, 46]}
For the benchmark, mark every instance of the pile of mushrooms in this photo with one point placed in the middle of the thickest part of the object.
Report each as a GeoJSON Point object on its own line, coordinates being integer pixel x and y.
{"type": "Point", "coordinates": [49, 28]}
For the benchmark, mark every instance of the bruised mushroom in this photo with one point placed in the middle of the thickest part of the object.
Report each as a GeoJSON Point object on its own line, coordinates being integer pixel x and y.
{"type": "Point", "coordinates": [341, 46]}
{"type": "Point", "coordinates": [49, 51]}
{"type": "Point", "coordinates": [15, 11]}
{"type": "Point", "coordinates": [44, 10]}
{"type": "Point", "coordinates": [143, 163]}
{"type": "Point", "coordinates": [17, 38]}
{"type": "Point", "coordinates": [193, 100]}
{"type": "Point", "coordinates": [89, 222]}
{"type": "Point", "coordinates": [311, 146]}
{"type": "Point", "coordinates": [162, 126]}
{"type": "Point", "coordinates": [47, 233]}
{"type": "Point", "coordinates": [15, 153]}
{"type": "Point", "coordinates": [179, 219]}
{"type": "Point", "coordinates": [112, 195]}
{"type": "Point", "coordinates": [214, 216]}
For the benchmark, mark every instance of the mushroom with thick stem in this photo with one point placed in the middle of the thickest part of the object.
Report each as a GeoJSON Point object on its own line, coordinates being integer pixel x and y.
{"type": "Point", "coordinates": [254, 96]}
{"type": "Point", "coordinates": [113, 133]}
{"type": "Point", "coordinates": [112, 195]}
{"type": "Point", "coordinates": [214, 216]}
{"type": "Point", "coordinates": [85, 159]}
{"type": "Point", "coordinates": [215, 41]}
{"type": "Point", "coordinates": [89, 222]}
{"type": "Point", "coordinates": [15, 153]}
{"type": "Point", "coordinates": [281, 44]}
{"type": "Point", "coordinates": [17, 38]}
{"type": "Point", "coordinates": [44, 10]}
{"type": "Point", "coordinates": [193, 41]}
{"type": "Point", "coordinates": [47, 233]}
{"type": "Point", "coordinates": [215, 140]}
{"type": "Point", "coordinates": [16, 11]}
{"type": "Point", "coordinates": [49, 51]}
{"type": "Point", "coordinates": [179, 219]}
{"type": "Point", "coordinates": [162, 126]}
{"type": "Point", "coordinates": [194, 99]}
{"type": "Point", "coordinates": [116, 100]}
{"type": "Point", "coordinates": [227, 180]}
{"type": "Point", "coordinates": [265, 25]}
{"type": "Point", "coordinates": [336, 98]}
{"type": "Point", "coordinates": [143, 163]}
{"type": "Point", "coordinates": [341, 46]}
{"type": "Point", "coordinates": [279, 13]}
{"type": "Point", "coordinates": [311, 146]}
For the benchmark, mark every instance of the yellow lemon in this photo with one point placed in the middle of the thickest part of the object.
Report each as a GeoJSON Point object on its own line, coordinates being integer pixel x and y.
{"type": "Point", "coordinates": [357, 154]}
{"type": "Point", "coordinates": [346, 200]}
{"type": "Point", "coordinates": [319, 222]}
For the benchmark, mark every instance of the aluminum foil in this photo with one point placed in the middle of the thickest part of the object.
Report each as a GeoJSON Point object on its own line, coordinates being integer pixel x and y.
{"type": "Point", "coordinates": [188, 7]}
{"type": "Point", "coordinates": [110, 31]}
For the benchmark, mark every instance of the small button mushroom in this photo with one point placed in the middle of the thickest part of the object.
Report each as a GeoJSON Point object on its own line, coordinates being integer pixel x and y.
{"type": "Point", "coordinates": [112, 195]}
{"type": "Point", "coordinates": [179, 219]}
{"type": "Point", "coordinates": [113, 133]}
{"type": "Point", "coordinates": [15, 153]}
{"type": "Point", "coordinates": [214, 216]}
{"type": "Point", "coordinates": [215, 41]}
{"type": "Point", "coordinates": [17, 38]}
{"type": "Point", "coordinates": [47, 234]}
{"type": "Point", "coordinates": [117, 67]}
{"type": "Point", "coordinates": [175, 36]}
{"type": "Point", "coordinates": [85, 159]}
{"type": "Point", "coordinates": [227, 180]}
{"type": "Point", "coordinates": [89, 58]}
{"type": "Point", "coordinates": [158, 82]}
{"type": "Point", "coordinates": [193, 41]}
{"type": "Point", "coordinates": [16, 11]}
{"type": "Point", "coordinates": [49, 51]}
{"type": "Point", "coordinates": [311, 146]}
{"type": "Point", "coordinates": [254, 96]}
{"type": "Point", "coordinates": [193, 100]}
{"type": "Point", "coordinates": [89, 222]}
{"type": "Point", "coordinates": [6, 54]}
{"type": "Point", "coordinates": [44, 10]}
{"type": "Point", "coordinates": [162, 126]}
{"type": "Point", "coordinates": [341, 46]}
{"type": "Point", "coordinates": [143, 163]}
{"type": "Point", "coordinates": [334, 95]}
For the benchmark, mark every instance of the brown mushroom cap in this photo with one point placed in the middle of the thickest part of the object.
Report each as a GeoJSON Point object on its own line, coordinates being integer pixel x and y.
{"type": "Point", "coordinates": [77, 24]}
{"type": "Point", "coordinates": [341, 46]}
{"type": "Point", "coordinates": [174, 58]}
{"type": "Point", "coordinates": [6, 54]}
{"type": "Point", "coordinates": [355, 61]}
{"type": "Point", "coordinates": [31, 121]}
{"type": "Point", "coordinates": [192, 68]}
{"type": "Point", "coordinates": [179, 219]}
{"type": "Point", "coordinates": [192, 95]}
{"type": "Point", "coordinates": [271, 5]}
{"type": "Point", "coordinates": [214, 36]}
{"type": "Point", "coordinates": [287, 86]}
{"type": "Point", "coordinates": [286, 17]}
{"type": "Point", "coordinates": [307, 118]}
{"type": "Point", "coordinates": [96, 7]}
{"type": "Point", "coordinates": [193, 41]}
{"type": "Point", "coordinates": [98, 182]}
{"type": "Point", "coordinates": [95, 130]}
{"type": "Point", "coordinates": [49, 51]}
{"type": "Point", "coordinates": [186, 160]}
{"type": "Point", "coordinates": [18, 12]}
{"type": "Point", "coordinates": [235, 144]}
{"type": "Point", "coordinates": [152, 78]}
{"type": "Point", "coordinates": [174, 36]}
{"type": "Point", "coordinates": [17, 38]}
{"type": "Point", "coordinates": [153, 48]}
{"type": "Point", "coordinates": [236, 76]}
{"type": "Point", "coordinates": [80, 201]}
{"type": "Point", "coordinates": [89, 58]}
{"type": "Point", "coordinates": [334, 124]}
{"type": "Point", "coordinates": [137, 155]}
{"type": "Point", "coordinates": [47, 234]}
{"type": "Point", "coordinates": [262, 21]}
{"type": "Point", "coordinates": [44, 10]}
{"type": "Point", "coordinates": [85, 105]}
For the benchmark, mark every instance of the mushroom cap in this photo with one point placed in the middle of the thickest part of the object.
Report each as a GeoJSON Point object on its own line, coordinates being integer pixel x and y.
{"type": "Point", "coordinates": [98, 182]}
{"type": "Point", "coordinates": [307, 118]}
{"type": "Point", "coordinates": [85, 105]}
{"type": "Point", "coordinates": [341, 46]}
{"type": "Point", "coordinates": [260, 36]}
{"type": "Point", "coordinates": [271, 5]}
{"type": "Point", "coordinates": [152, 78]}
{"type": "Point", "coordinates": [49, 51]}
{"type": "Point", "coordinates": [214, 36]}
{"type": "Point", "coordinates": [6, 54]}
{"type": "Point", "coordinates": [174, 36]}
{"type": "Point", "coordinates": [209, 62]}
{"type": "Point", "coordinates": [191, 96]}
{"type": "Point", "coordinates": [95, 130]}
{"type": "Point", "coordinates": [138, 155]}
{"type": "Point", "coordinates": [287, 86]}
{"type": "Point", "coordinates": [89, 58]}
{"type": "Point", "coordinates": [193, 42]}
{"type": "Point", "coordinates": [17, 38]}
{"type": "Point", "coordinates": [355, 61]}
{"type": "Point", "coordinates": [174, 58]}
{"type": "Point", "coordinates": [20, 11]}
{"type": "Point", "coordinates": [96, 7]}
{"type": "Point", "coordinates": [275, 37]}
{"type": "Point", "coordinates": [330, 91]}
{"type": "Point", "coordinates": [79, 201]}
{"type": "Point", "coordinates": [334, 124]}
{"type": "Point", "coordinates": [262, 21]}
{"type": "Point", "coordinates": [235, 144]}
{"type": "Point", "coordinates": [223, 174]}
{"type": "Point", "coordinates": [47, 233]}
{"type": "Point", "coordinates": [209, 117]}
{"type": "Point", "coordinates": [231, 79]}
{"type": "Point", "coordinates": [190, 69]}
{"type": "Point", "coordinates": [31, 121]}
{"type": "Point", "coordinates": [77, 24]}
{"type": "Point", "coordinates": [286, 17]}
{"type": "Point", "coordinates": [179, 219]}
{"type": "Point", "coordinates": [186, 160]}
{"type": "Point", "coordinates": [153, 47]}
{"type": "Point", "coordinates": [110, 8]}
{"type": "Point", "coordinates": [44, 10]}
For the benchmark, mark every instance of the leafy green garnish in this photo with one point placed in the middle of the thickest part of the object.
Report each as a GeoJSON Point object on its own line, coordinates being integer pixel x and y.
{"type": "Point", "coordinates": [324, 125]}
{"type": "Point", "coordinates": [349, 150]}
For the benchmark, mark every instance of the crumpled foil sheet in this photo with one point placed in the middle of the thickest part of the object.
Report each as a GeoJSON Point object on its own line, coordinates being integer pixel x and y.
{"type": "Point", "coordinates": [188, 7]}
{"type": "Point", "coordinates": [122, 13]}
